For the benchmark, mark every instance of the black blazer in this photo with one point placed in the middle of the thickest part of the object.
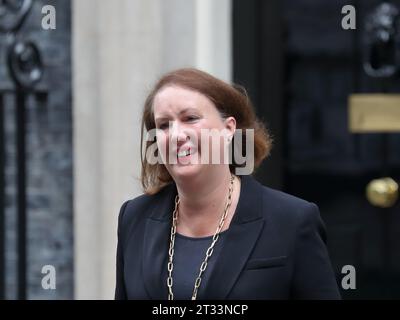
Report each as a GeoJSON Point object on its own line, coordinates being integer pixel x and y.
{"type": "Point", "coordinates": [274, 249]}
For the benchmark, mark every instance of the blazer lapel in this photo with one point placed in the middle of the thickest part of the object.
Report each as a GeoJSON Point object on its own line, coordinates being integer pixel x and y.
{"type": "Point", "coordinates": [240, 239]}
{"type": "Point", "coordinates": [156, 245]}
{"type": "Point", "coordinates": [242, 235]}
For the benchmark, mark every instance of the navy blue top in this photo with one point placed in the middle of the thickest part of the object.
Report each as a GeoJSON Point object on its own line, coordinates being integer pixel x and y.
{"type": "Point", "coordinates": [189, 254]}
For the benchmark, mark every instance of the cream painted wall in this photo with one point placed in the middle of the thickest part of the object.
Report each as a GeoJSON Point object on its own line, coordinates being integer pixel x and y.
{"type": "Point", "coordinates": [120, 48]}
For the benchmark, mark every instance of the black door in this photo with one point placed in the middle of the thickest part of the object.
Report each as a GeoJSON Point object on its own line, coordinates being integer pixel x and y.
{"type": "Point", "coordinates": [301, 66]}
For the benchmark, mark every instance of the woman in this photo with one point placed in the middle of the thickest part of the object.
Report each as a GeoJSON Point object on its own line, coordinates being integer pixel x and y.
{"type": "Point", "coordinates": [201, 230]}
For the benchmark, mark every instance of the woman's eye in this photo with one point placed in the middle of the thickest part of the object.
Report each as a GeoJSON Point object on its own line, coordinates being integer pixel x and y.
{"type": "Point", "coordinates": [163, 126]}
{"type": "Point", "coordinates": [191, 118]}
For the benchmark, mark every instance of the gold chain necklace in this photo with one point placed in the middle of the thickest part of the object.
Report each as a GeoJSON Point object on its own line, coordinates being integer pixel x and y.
{"type": "Point", "coordinates": [209, 251]}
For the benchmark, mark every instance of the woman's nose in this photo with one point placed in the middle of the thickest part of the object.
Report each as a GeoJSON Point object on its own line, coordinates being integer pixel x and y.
{"type": "Point", "coordinates": [177, 132]}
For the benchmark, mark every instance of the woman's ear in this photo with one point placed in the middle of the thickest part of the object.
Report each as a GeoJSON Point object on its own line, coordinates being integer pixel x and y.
{"type": "Point", "coordinates": [230, 124]}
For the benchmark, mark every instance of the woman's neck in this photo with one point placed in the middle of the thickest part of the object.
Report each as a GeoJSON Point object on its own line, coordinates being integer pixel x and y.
{"type": "Point", "coordinates": [202, 204]}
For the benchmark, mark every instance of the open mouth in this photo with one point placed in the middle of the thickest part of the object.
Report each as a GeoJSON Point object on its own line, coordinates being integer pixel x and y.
{"type": "Point", "coordinates": [184, 153]}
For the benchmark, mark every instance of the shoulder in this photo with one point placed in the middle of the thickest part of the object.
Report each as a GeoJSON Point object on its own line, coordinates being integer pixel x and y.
{"type": "Point", "coordinates": [287, 209]}
{"type": "Point", "coordinates": [291, 212]}
{"type": "Point", "coordinates": [280, 199]}
{"type": "Point", "coordinates": [140, 203]}
{"type": "Point", "coordinates": [276, 201]}
{"type": "Point", "coordinates": [140, 208]}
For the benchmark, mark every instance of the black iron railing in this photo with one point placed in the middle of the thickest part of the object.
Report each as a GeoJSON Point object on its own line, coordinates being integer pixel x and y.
{"type": "Point", "coordinates": [25, 68]}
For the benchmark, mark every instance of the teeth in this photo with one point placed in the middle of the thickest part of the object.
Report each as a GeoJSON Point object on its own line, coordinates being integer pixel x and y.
{"type": "Point", "coordinates": [183, 153]}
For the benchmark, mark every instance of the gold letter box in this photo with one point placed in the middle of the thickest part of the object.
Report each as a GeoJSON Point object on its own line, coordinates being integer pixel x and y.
{"type": "Point", "coordinates": [374, 113]}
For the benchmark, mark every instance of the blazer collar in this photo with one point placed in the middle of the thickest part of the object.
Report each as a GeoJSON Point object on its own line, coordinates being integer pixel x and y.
{"type": "Point", "coordinates": [246, 210]}
{"type": "Point", "coordinates": [241, 237]}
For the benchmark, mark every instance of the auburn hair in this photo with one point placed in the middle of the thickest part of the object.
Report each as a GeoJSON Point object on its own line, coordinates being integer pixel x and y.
{"type": "Point", "coordinates": [230, 100]}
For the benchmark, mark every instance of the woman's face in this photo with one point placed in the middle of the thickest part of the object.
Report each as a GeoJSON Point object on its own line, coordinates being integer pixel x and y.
{"type": "Point", "coordinates": [183, 118]}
